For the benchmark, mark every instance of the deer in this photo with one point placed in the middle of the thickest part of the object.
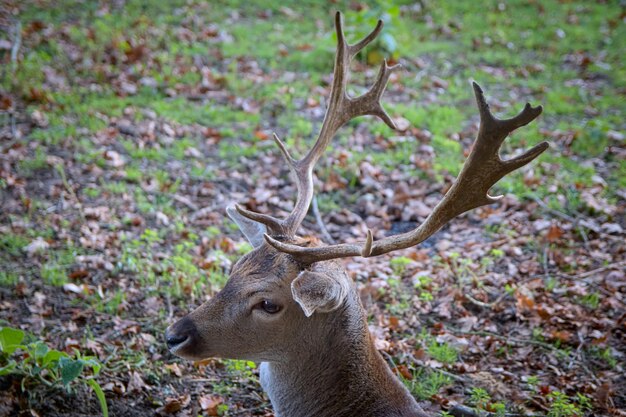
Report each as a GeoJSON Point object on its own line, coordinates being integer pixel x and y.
{"type": "Point", "coordinates": [290, 305]}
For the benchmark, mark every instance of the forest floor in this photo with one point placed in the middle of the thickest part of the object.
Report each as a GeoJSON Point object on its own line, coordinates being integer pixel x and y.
{"type": "Point", "coordinates": [127, 127]}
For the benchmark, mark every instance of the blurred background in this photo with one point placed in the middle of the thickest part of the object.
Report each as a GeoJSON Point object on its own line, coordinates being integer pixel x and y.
{"type": "Point", "coordinates": [127, 127]}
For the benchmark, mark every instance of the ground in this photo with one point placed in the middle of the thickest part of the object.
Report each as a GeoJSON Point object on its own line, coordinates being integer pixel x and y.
{"type": "Point", "coordinates": [127, 127]}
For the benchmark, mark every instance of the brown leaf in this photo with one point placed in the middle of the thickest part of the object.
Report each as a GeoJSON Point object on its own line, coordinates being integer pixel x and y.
{"type": "Point", "coordinates": [554, 233]}
{"type": "Point", "coordinates": [562, 335]}
{"type": "Point", "coordinates": [524, 299]}
{"type": "Point", "coordinates": [35, 26]}
{"type": "Point", "coordinates": [6, 102]}
{"type": "Point", "coordinates": [175, 369]}
{"type": "Point", "coordinates": [79, 274]}
{"type": "Point", "coordinates": [135, 383]}
{"type": "Point", "coordinates": [38, 95]}
{"type": "Point", "coordinates": [404, 371]}
{"type": "Point", "coordinates": [136, 53]}
{"type": "Point", "coordinates": [603, 395]}
{"type": "Point", "coordinates": [174, 405]}
{"type": "Point", "coordinates": [260, 135]}
{"type": "Point", "coordinates": [394, 323]}
{"type": "Point", "coordinates": [210, 404]}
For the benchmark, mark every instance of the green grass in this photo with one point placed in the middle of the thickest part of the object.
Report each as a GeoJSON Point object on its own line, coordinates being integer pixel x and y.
{"type": "Point", "coordinates": [12, 244]}
{"type": "Point", "coordinates": [426, 383]}
{"type": "Point", "coordinates": [442, 352]}
{"type": "Point", "coordinates": [8, 278]}
{"type": "Point", "coordinates": [479, 35]}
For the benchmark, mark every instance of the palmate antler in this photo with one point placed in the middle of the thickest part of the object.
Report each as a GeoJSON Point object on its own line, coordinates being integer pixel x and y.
{"type": "Point", "coordinates": [482, 169]}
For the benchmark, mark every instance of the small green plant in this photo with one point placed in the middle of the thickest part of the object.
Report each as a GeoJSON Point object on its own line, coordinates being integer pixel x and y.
{"type": "Point", "coordinates": [38, 162]}
{"type": "Point", "coordinates": [538, 334]}
{"type": "Point", "coordinates": [426, 383]}
{"type": "Point", "coordinates": [584, 402]}
{"type": "Point", "coordinates": [92, 192]}
{"type": "Point", "coordinates": [12, 244]}
{"type": "Point", "coordinates": [591, 301]}
{"type": "Point", "coordinates": [604, 354]}
{"type": "Point", "coordinates": [480, 398]}
{"type": "Point", "coordinates": [426, 296]}
{"type": "Point", "coordinates": [53, 274]}
{"type": "Point", "coordinates": [498, 408]}
{"type": "Point", "coordinates": [562, 405]}
{"type": "Point", "coordinates": [424, 288]}
{"type": "Point", "coordinates": [532, 381]}
{"type": "Point", "coordinates": [399, 264]}
{"type": "Point", "coordinates": [8, 279]}
{"type": "Point", "coordinates": [510, 289]}
{"type": "Point", "coordinates": [400, 297]}
{"type": "Point", "coordinates": [36, 363]}
{"type": "Point", "coordinates": [240, 368]}
{"type": "Point", "coordinates": [442, 352]}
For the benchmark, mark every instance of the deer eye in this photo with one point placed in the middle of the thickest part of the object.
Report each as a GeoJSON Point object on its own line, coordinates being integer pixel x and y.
{"type": "Point", "coordinates": [269, 307]}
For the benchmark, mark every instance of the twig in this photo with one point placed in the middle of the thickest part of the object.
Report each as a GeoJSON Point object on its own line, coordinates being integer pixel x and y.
{"type": "Point", "coordinates": [170, 308]}
{"type": "Point", "coordinates": [581, 343]}
{"type": "Point", "coordinates": [555, 212]}
{"type": "Point", "coordinates": [320, 222]}
{"type": "Point", "coordinates": [577, 221]}
{"type": "Point", "coordinates": [581, 275]}
{"type": "Point", "coordinates": [453, 376]}
{"type": "Point", "coordinates": [17, 42]}
{"type": "Point", "coordinates": [505, 338]}
{"type": "Point", "coordinates": [483, 304]}
{"type": "Point", "coordinates": [13, 128]}
{"type": "Point", "coordinates": [586, 274]}
{"type": "Point", "coordinates": [185, 201]}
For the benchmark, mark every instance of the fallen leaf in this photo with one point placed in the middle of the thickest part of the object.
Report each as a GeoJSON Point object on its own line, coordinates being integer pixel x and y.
{"type": "Point", "coordinates": [210, 404]}
{"type": "Point", "coordinates": [554, 234]}
{"type": "Point", "coordinates": [174, 405]}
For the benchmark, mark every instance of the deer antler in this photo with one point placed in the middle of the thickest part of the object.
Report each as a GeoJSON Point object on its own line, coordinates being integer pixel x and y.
{"type": "Point", "coordinates": [341, 109]}
{"type": "Point", "coordinates": [482, 169]}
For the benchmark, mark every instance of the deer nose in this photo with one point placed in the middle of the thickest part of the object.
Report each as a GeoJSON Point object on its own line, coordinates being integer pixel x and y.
{"type": "Point", "coordinates": [183, 332]}
{"type": "Point", "coordinates": [174, 340]}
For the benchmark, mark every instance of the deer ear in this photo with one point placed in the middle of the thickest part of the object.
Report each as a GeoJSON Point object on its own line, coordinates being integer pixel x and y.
{"type": "Point", "coordinates": [315, 291]}
{"type": "Point", "coordinates": [253, 231]}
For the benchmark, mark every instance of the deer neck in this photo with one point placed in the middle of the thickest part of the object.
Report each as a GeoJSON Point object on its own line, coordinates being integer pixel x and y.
{"type": "Point", "coordinates": [337, 372]}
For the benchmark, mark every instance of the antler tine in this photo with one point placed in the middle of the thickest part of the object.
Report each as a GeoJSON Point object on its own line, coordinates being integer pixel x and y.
{"type": "Point", "coordinates": [482, 169]}
{"type": "Point", "coordinates": [272, 223]}
{"type": "Point", "coordinates": [369, 103]}
{"type": "Point", "coordinates": [357, 47]}
{"type": "Point", "coordinates": [340, 110]}
{"type": "Point", "coordinates": [283, 149]}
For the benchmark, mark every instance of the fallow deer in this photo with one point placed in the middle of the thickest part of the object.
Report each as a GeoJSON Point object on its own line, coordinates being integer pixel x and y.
{"type": "Point", "coordinates": [291, 305]}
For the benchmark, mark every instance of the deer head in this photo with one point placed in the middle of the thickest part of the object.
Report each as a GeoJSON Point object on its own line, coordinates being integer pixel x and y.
{"type": "Point", "coordinates": [286, 294]}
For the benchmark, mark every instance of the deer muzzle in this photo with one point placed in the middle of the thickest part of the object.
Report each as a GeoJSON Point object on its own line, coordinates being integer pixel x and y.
{"type": "Point", "coordinates": [181, 337]}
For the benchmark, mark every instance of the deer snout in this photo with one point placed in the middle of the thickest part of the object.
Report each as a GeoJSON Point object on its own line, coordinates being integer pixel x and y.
{"type": "Point", "coordinates": [181, 334]}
